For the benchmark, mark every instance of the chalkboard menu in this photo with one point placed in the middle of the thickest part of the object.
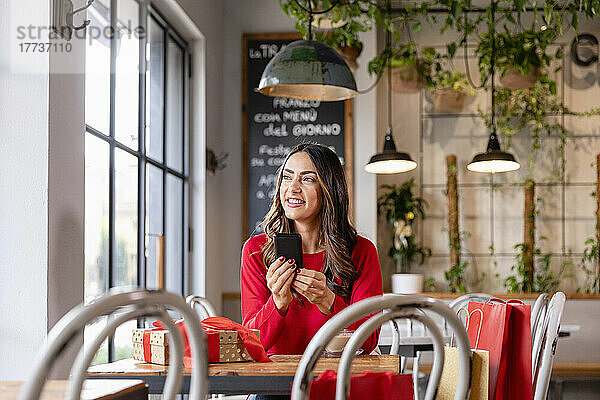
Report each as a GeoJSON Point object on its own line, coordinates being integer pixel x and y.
{"type": "Point", "coordinates": [273, 125]}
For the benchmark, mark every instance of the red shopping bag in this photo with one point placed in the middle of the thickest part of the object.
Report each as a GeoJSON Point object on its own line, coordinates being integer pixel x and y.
{"type": "Point", "coordinates": [506, 334]}
{"type": "Point", "coordinates": [368, 385]}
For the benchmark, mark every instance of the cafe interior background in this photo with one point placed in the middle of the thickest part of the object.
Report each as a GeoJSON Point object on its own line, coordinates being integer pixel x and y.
{"type": "Point", "coordinates": [56, 112]}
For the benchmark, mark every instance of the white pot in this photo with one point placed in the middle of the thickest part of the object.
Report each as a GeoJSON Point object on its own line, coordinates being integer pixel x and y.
{"type": "Point", "coordinates": [407, 283]}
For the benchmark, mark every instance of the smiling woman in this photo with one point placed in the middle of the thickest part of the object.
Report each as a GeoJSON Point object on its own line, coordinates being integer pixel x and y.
{"type": "Point", "coordinates": [339, 267]}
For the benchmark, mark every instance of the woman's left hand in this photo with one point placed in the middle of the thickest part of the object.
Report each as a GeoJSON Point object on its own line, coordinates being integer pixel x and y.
{"type": "Point", "coordinates": [313, 285]}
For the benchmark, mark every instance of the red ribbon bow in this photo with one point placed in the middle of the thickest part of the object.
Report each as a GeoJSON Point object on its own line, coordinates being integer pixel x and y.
{"type": "Point", "coordinates": [212, 326]}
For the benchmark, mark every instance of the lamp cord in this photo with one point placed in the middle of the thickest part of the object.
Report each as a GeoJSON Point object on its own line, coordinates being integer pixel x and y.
{"type": "Point", "coordinates": [388, 46]}
{"type": "Point", "coordinates": [310, 20]}
{"type": "Point", "coordinates": [492, 59]}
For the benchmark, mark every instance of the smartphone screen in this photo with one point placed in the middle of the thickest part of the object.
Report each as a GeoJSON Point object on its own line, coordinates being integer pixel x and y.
{"type": "Point", "coordinates": [289, 245]}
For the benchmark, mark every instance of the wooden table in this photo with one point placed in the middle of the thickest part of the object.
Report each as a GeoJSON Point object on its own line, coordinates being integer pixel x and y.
{"type": "Point", "coordinates": [242, 377]}
{"type": "Point", "coordinates": [97, 389]}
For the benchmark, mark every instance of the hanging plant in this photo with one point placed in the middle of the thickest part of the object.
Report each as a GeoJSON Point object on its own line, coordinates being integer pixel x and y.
{"type": "Point", "coordinates": [411, 68]}
{"type": "Point", "coordinates": [449, 91]}
{"type": "Point", "coordinates": [519, 57]}
{"type": "Point", "coordinates": [344, 20]}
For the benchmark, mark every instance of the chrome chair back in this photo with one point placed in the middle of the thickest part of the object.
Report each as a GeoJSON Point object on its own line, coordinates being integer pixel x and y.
{"type": "Point", "coordinates": [201, 305]}
{"type": "Point", "coordinates": [125, 306]}
{"type": "Point", "coordinates": [396, 306]}
{"type": "Point", "coordinates": [548, 336]}
{"type": "Point", "coordinates": [538, 316]}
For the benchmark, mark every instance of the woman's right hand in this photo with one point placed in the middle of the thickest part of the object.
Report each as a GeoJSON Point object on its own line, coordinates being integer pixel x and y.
{"type": "Point", "coordinates": [279, 280]}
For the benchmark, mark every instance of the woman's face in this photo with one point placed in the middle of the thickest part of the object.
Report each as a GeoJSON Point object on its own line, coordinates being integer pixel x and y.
{"type": "Point", "coordinates": [300, 192]}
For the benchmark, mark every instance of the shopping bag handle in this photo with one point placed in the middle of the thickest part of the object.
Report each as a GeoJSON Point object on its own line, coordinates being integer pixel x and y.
{"type": "Point", "coordinates": [467, 324]}
{"type": "Point", "coordinates": [509, 301]}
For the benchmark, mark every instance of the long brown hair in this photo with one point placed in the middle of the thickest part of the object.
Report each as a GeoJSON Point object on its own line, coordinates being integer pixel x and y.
{"type": "Point", "coordinates": [336, 234]}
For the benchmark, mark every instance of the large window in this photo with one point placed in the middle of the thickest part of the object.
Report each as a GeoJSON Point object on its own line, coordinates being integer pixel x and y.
{"type": "Point", "coordinates": [136, 151]}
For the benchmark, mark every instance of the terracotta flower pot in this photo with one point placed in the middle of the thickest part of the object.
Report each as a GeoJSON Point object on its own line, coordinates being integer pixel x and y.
{"type": "Point", "coordinates": [513, 79]}
{"type": "Point", "coordinates": [448, 100]}
{"type": "Point", "coordinates": [350, 54]}
{"type": "Point", "coordinates": [407, 79]}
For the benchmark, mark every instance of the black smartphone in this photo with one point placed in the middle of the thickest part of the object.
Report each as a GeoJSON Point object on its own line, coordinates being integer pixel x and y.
{"type": "Point", "coordinates": [289, 245]}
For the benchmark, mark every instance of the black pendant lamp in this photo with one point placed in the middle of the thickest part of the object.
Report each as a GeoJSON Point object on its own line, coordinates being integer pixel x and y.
{"type": "Point", "coordinates": [494, 160]}
{"type": "Point", "coordinates": [308, 70]}
{"type": "Point", "coordinates": [390, 161]}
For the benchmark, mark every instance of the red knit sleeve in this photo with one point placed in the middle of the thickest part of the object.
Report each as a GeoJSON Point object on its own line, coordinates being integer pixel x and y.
{"type": "Point", "coordinates": [258, 308]}
{"type": "Point", "coordinates": [368, 284]}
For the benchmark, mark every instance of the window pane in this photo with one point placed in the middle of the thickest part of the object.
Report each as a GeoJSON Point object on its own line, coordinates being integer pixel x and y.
{"type": "Point", "coordinates": [123, 343]}
{"type": "Point", "coordinates": [127, 73]}
{"type": "Point", "coordinates": [126, 192]}
{"type": "Point", "coordinates": [155, 90]}
{"type": "Point", "coordinates": [97, 68]}
{"type": "Point", "coordinates": [174, 238]}
{"type": "Point", "coordinates": [174, 105]}
{"type": "Point", "coordinates": [154, 221]}
{"type": "Point", "coordinates": [92, 331]}
{"type": "Point", "coordinates": [96, 216]}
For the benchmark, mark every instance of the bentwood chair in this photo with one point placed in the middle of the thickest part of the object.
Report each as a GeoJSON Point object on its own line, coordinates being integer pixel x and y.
{"type": "Point", "coordinates": [547, 335]}
{"type": "Point", "coordinates": [121, 307]}
{"type": "Point", "coordinates": [538, 314]}
{"type": "Point", "coordinates": [394, 306]}
{"type": "Point", "coordinates": [201, 305]}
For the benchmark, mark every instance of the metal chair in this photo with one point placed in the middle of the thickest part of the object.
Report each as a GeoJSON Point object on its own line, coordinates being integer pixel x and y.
{"type": "Point", "coordinates": [125, 306]}
{"type": "Point", "coordinates": [201, 305]}
{"type": "Point", "coordinates": [538, 315]}
{"type": "Point", "coordinates": [548, 337]}
{"type": "Point", "coordinates": [396, 306]}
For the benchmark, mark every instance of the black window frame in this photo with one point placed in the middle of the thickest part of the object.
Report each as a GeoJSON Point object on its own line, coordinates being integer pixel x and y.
{"type": "Point", "coordinates": [147, 12]}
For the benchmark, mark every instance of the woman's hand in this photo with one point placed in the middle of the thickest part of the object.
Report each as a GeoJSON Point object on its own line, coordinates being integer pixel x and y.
{"type": "Point", "coordinates": [313, 285]}
{"type": "Point", "coordinates": [279, 279]}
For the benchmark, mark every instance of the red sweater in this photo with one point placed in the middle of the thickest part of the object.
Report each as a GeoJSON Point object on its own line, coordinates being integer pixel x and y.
{"type": "Point", "coordinates": [290, 334]}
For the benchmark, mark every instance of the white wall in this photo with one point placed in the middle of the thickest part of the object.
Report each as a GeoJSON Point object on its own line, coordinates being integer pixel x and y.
{"type": "Point", "coordinates": [206, 269]}
{"type": "Point", "coordinates": [41, 167]}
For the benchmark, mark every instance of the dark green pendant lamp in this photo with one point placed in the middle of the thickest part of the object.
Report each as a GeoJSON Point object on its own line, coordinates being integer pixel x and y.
{"type": "Point", "coordinates": [494, 160]}
{"type": "Point", "coordinates": [308, 70]}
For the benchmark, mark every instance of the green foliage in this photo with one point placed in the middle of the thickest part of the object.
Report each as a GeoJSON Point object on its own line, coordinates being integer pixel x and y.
{"type": "Point", "coordinates": [523, 51]}
{"type": "Point", "coordinates": [455, 277]}
{"type": "Point", "coordinates": [398, 202]}
{"type": "Point", "coordinates": [589, 265]}
{"type": "Point", "coordinates": [404, 55]}
{"type": "Point", "coordinates": [448, 79]}
{"type": "Point", "coordinates": [533, 112]}
{"type": "Point", "coordinates": [356, 16]}
{"type": "Point", "coordinates": [430, 284]}
{"type": "Point", "coordinates": [400, 207]}
{"type": "Point", "coordinates": [545, 279]}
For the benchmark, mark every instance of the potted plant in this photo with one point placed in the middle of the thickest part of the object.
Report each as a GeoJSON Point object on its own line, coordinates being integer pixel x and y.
{"type": "Point", "coordinates": [411, 69]}
{"type": "Point", "coordinates": [519, 57]}
{"type": "Point", "coordinates": [358, 13]}
{"type": "Point", "coordinates": [449, 92]}
{"type": "Point", "coordinates": [345, 41]}
{"type": "Point", "coordinates": [400, 208]}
